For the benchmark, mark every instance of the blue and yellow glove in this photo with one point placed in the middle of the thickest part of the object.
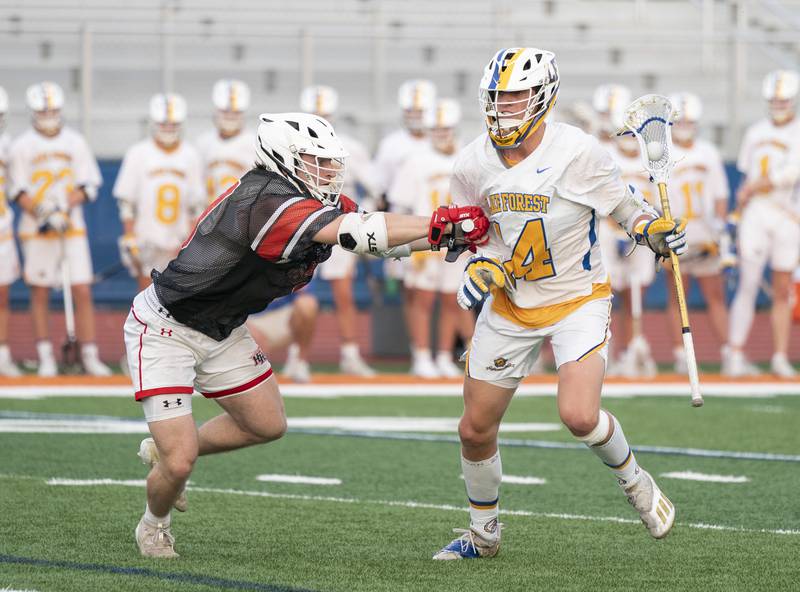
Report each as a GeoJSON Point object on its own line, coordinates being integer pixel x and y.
{"type": "Point", "coordinates": [480, 274]}
{"type": "Point", "coordinates": [662, 236]}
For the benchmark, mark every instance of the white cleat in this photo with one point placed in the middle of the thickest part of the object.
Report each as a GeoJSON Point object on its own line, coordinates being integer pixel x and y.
{"type": "Point", "coordinates": [470, 545]}
{"type": "Point", "coordinates": [637, 360]}
{"type": "Point", "coordinates": [7, 365]}
{"type": "Point", "coordinates": [423, 367]}
{"type": "Point", "coordinates": [355, 365]}
{"type": "Point", "coordinates": [737, 365]}
{"type": "Point", "coordinates": [655, 509]}
{"type": "Point", "coordinates": [446, 367]}
{"type": "Point", "coordinates": [148, 453]}
{"type": "Point", "coordinates": [47, 367]}
{"type": "Point", "coordinates": [94, 367]}
{"type": "Point", "coordinates": [681, 365]}
{"type": "Point", "coordinates": [298, 371]}
{"type": "Point", "coordinates": [781, 366]}
{"type": "Point", "coordinates": [155, 541]}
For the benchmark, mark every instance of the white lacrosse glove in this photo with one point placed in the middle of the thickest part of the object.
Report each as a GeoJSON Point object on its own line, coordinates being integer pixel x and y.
{"type": "Point", "coordinates": [663, 236]}
{"type": "Point", "coordinates": [50, 217]}
{"type": "Point", "coordinates": [480, 274]}
{"type": "Point", "coordinates": [129, 254]}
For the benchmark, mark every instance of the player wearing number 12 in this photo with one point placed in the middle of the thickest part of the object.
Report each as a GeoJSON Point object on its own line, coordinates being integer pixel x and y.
{"type": "Point", "coordinates": [544, 186]}
{"type": "Point", "coordinates": [159, 191]}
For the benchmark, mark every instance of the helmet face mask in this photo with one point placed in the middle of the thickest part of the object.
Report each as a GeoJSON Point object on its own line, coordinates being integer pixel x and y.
{"type": "Point", "coordinates": [231, 98]}
{"type": "Point", "coordinates": [443, 139]}
{"type": "Point", "coordinates": [229, 123]}
{"type": "Point", "coordinates": [48, 122]}
{"type": "Point", "coordinates": [780, 89]}
{"type": "Point", "coordinates": [167, 134]}
{"type": "Point", "coordinates": [45, 100]}
{"type": "Point", "coordinates": [416, 98]}
{"type": "Point", "coordinates": [323, 177]}
{"type": "Point", "coordinates": [781, 110]}
{"type": "Point", "coordinates": [684, 131]}
{"type": "Point", "coordinates": [167, 114]}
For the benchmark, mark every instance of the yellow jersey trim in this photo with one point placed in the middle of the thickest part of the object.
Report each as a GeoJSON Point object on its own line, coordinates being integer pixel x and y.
{"type": "Point", "coordinates": [544, 316]}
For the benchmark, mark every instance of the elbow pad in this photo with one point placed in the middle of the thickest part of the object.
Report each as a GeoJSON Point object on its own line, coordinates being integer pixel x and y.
{"type": "Point", "coordinates": [364, 234]}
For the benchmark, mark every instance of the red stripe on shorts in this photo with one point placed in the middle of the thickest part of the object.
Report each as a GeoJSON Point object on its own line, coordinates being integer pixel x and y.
{"type": "Point", "coordinates": [141, 337]}
{"type": "Point", "coordinates": [241, 388]}
{"type": "Point", "coordinates": [164, 390]}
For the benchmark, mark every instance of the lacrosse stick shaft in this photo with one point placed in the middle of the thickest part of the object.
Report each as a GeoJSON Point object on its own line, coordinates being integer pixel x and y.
{"type": "Point", "coordinates": [69, 310]}
{"type": "Point", "coordinates": [688, 342]}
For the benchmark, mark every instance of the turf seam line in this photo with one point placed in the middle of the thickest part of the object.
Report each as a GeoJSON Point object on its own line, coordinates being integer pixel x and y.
{"type": "Point", "coordinates": [151, 573]}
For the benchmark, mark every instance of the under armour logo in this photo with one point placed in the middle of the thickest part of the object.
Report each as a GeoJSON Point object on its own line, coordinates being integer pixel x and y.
{"type": "Point", "coordinates": [167, 332]}
{"type": "Point", "coordinates": [164, 311]}
{"type": "Point", "coordinates": [259, 358]}
{"type": "Point", "coordinates": [177, 402]}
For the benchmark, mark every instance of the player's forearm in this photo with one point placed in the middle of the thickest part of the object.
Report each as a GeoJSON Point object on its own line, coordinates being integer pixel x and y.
{"type": "Point", "coordinates": [127, 227]}
{"type": "Point", "coordinates": [631, 212]}
{"type": "Point", "coordinates": [402, 229]}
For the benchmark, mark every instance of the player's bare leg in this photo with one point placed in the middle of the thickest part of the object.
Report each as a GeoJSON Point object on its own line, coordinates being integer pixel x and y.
{"type": "Point", "coordinates": [579, 387]}
{"type": "Point", "coordinates": [484, 407]}
{"type": "Point", "coordinates": [781, 316]}
{"type": "Point", "coordinates": [7, 365]}
{"type": "Point", "coordinates": [85, 330]}
{"type": "Point", "coordinates": [420, 325]}
{"type": "Point", "coordinates": [449, 315]}
{"type": "Point", "coordinates": [714, 294]}
{"type": "Point", "coordinates": [40, 315]}
{"type": "Point", "coordinates": [741, 316]}
{"type": "Point", "coordinates": [351, 361]}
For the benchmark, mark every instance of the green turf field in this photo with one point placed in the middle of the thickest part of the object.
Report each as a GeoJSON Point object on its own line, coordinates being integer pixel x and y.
{"type": "Point", "coordinates": [399, 499]}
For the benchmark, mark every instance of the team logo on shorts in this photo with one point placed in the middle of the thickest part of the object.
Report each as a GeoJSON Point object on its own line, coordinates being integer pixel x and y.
{"type": "Point", "coordinates": [259, 358]}
{"type": "Point", "coordinates": [500, 363]}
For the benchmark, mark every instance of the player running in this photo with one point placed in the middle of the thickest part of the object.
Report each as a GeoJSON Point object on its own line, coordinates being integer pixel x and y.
{"type": "Point", "coordinates": [159, 191]}
{"type": "Point", "coordinates": [259, 240]}
{"type": "Point", "coordinates": [9, 261]}
{"type": "Point", "coordinates": [421, 185]}
{"type": "Point", "coordinates": [769, 229]}
{"type": "Point", "coordinates": [700, 196]}
{"type": "Point", "coordinates": [53, 173]}
{"type": "Point", "coordinates": [543, 185]}
{"type": "Point", "coordinates": [361, 185]}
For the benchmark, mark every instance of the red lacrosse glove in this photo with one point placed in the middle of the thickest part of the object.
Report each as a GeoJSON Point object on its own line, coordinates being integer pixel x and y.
{"type": "Point", "coordinates": [455, 215]}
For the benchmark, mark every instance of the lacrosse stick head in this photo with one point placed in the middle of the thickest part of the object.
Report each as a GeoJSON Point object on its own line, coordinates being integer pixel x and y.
{"type": "Point", "coordinates": [649, 119]}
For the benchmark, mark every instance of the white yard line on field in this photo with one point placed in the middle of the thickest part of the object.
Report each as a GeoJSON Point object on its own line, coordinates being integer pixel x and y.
{"type": "Point", "coordinates": [521, 480]}
{"type": "Point", "coordinates": [301, 479]}
{"type": "Point", "coordinates": [424, 505]}
{"type": "Point", "coordinates": [709, 478]}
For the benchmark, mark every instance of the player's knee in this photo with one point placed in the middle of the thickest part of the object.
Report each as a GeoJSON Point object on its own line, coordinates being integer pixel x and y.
{"type": "Point", "coordinates": [270, 430]}
{"type": "Point", "coordinates": [306, 307]}
{"type": "Point", "coordinates": [179, 465]}
{"type": "Point", "coordinates": [474, 435]}
{"type": "Point", "coordinates": [579, 421]}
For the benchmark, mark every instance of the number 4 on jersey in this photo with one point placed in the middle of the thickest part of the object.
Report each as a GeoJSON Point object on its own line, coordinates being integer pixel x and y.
{"type": "Point", "coordinates": [531, 259]}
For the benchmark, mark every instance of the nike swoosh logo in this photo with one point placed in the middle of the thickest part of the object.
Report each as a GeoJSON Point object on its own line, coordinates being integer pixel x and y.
{"type": "Point", "coordinates": [543, 170]}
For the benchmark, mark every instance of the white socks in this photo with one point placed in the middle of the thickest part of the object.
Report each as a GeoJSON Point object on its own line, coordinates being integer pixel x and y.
{"type": "Point", "coordinates": [613, 449]}
{"type": "Point", "coordinates": [154, 520]}
{"type": "Point", "coordinates": [44, 349]}
{"type": "Point", "coordinates": [350, 351]}
{"type": "Point", "coordinates": [482, 479]}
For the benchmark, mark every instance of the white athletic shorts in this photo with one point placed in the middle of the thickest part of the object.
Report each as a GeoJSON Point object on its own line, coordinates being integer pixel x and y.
{"type": "Point", "coordinates": [696, 264]}
{"type": "Point", "coordinates": [152, 257]}
{"type": "Point", "coordinates": [613, 247]}
{"type": "Point", "coordinates": [168, 361]}
{"type": "Point", "coordinates": [43, 258]}
{"type": "Point", "coordinates": [504, 353]}
{"type": "Point", "coordinates": [340, 265]}
{"type": "Point", "coordinates": [9, 262]}
{"type": "Point", "coordinates": [427, 270]}
{"type": "Point", "coordinates": [275, 325]}
{"type": "Point", "coordinates": [769, 234]}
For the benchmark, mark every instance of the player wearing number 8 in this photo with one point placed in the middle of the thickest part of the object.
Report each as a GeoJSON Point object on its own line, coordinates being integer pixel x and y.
{"type": "Point", "coordinates": [544, 186]}
{"type": "Point", "coordinates": [159, 191]}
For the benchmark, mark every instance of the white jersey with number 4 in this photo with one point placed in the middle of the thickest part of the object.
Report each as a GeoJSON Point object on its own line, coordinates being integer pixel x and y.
{"type": "Point", "coordinates": [764, 152]}
{"type": "Point", "coordinates": [544, 215]}
{"type": "Point", "coordinates": [165, 188]}
{"type": "Point", "coordinates": [225, 160]}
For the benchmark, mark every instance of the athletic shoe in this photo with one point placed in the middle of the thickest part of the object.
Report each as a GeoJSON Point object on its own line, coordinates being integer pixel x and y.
{"type": "Point", "coordinates": [148, 453]}
{"type": "Point", "coordinates": [655, 510]}
{"type": "Point", "coordinates": [470, 545]}
{"type": "Point", "coordinates": [446, 366]}
{"type": "Point", "coordinates": [423, 367]}
{"type": "Point", "coordinates": [7, 365]}
{"type": "Point", "coordinates": [93, 365]}
{"type": "Point", "coordinates": [737, 365]}
{"type": "Point", "coordinates": [47, 367]}
{"type": "Point", "coordinates": [155, 541]}
{"type": "Point", "coordinates": [681, 365]}
{"type": "Point", "coordinates": [781, 366]}
{"type": "Point", "coordinates": [355, 365]}
{"type": "Point", "coordinates": [637, 360]}
{"type": "Point", "coordinates": [298, 370]}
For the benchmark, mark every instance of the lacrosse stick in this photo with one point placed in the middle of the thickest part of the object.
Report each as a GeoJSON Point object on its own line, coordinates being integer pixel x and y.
{"type": "Point", "coordinates": [649, 119]}
{"type": "Point", "coordinates": [70, 350]}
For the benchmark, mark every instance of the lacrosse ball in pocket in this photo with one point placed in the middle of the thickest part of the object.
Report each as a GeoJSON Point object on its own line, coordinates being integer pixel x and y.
{"type": "Point", "coordinates": [655, 150]}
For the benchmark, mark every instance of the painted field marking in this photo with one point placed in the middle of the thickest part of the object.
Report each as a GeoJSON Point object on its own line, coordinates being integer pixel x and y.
{"type": "Point", "coordinates": [299, 479]}
{"type": "Point", "coordinates": [407, 424]}
{"type": "Point", "coordinates": [443, 507]}
{"type": "Point", "coordinates": [710, 478]}
{"type": "Point", "coordinates": [520, 480]}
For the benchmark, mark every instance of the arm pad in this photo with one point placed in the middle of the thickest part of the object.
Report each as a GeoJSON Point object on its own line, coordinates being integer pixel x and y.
{"type": "Point", "coordinates": [365, 234]}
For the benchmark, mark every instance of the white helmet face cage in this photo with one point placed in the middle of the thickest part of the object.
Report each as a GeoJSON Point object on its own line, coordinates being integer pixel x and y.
{"type": "Point", "coordinates": [45, 100]}
{"type": "Point", "coordinates": [780, 90]}
{"type": "Point", "coordinates": [532, 76]}
{"type": "Point", "coordinates": [415, 98]}
{"type": "Point", "coordinates": [304, 149]}
{"type": "Point", "coordinates": [686, 117]}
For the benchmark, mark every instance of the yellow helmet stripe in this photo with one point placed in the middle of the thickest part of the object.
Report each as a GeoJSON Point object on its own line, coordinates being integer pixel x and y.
{"type": "Point", "coordinates": [48, 97]}
{"type": "Point", "coordinates": [417, 101]}
{"type": "Point", "coordinates": [319, 100]}
{"type": "Point", "coordinates": [505, 75]}
{"type": "Point", "coordinates": [779, 85]}
{"type": "Point", "coordinates": [170, 109]}
{"type": "Point", "coordinates": [234, 98]}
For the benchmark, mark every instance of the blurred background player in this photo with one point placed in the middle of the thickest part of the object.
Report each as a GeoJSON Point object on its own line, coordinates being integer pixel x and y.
{"type": "Point", "coordinates": [421, 185]}
{"type": "Point", "coordinates": [769, 228]}
{"type": "Point", "coordinates": [53, 172]}
{"type": "Point", "coordinates": [630, 272]}
{"type": "Point", "coordinates": [9, 261]}
{"type": "Point", "coordinates": [228, 151]}
{"type": "Point", "coordinates": [159, 191]}
{"type": "Point", "coordinates": [360, 185]}
{"type": "Point", "coordinates": [289, 321]}
{"type": "Point", "coordinates": [699, 194]}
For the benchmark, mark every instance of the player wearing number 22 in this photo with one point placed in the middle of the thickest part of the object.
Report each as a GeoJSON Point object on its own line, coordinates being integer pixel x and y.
{"type": "Point", "coordinates": [260, 240]}
{"type": "Point", "coordinates": [544, 186]}
{"type": "Point", "coordinates": [53, 172]}
{"type": "Point", "coordinates": [159, 191]}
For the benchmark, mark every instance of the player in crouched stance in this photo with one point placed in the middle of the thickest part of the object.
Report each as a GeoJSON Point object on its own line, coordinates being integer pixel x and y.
{"type": "Point", "coordinates": [544, 187]}
{"type": "Point", "coordinates": [259, 240]}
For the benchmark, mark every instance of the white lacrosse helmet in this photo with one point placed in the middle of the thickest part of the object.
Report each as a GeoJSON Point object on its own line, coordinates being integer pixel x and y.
{"type": "Point", "coordinates": [167, 114]}
{"type": "Point", "coordinates": [283, 139]}
{"type": "Point", "coordinates": [514, 70]}
{"type": "Point", "coordinates": [319, 100]}
{"type": "Point", "coordinates": [231, 99]}
{"type": "Point", "coordinates": [780, 91]}
{"type": "Point", "coordinates": [415, 98]}
{"type": "Point", "coordinates": [610, 102]}
{"type": "Point", "coordinates": [687, 111]}
{"type": "Point", "coordinates": [445, 114]}
{"type": "Point", "coordinates": [45, 100]}
{"type": "Point", "coordinates": [3, 107]}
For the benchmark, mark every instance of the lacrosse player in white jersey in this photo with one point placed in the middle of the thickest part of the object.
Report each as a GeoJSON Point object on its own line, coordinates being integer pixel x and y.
{"type": "Point", "coordinates": [769, 228]}
{"type": "Point", "coordinates": [9, 261]}
{"type": "Point", "coordinates": [361, 185]}
{"type": "Point", "coordinates": [53, 172]}
{"type": "Point", "coordinates": [227, 151]}
{"type": "Point", "coordinates": [631, 270]}
{"type": "Point", "coordinates": [159, 191]}
{"type": "Point", "coordinates": [544, 186]}
{"type": "Point", "coordinates": [421, 185]}
{"type": "Point", "coordinates": [699, 196]}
